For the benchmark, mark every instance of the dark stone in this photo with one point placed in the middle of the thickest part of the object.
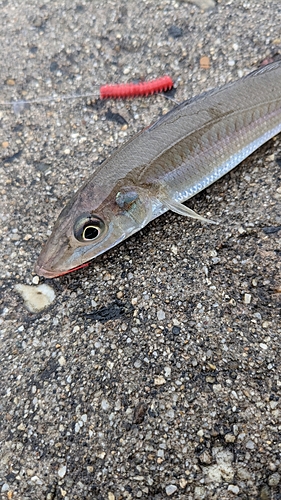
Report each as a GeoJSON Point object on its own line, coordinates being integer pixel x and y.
{"type": "Point", "coordinates": [14, 157]}
{"type": "Point", "coordinates": [139, 413]}
{"type": "Point", "coordinates": [175, 31]}
{"type": "Point", "coordinates": [54, 66]}
{"type": "Point", "coordinates": [41, 166]}
{"type": "Point", "coordinates": [271, 229]}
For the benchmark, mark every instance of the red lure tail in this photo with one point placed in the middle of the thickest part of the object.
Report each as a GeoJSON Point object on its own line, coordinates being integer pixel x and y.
{"type": "Point", "coordinates": [122, 91]}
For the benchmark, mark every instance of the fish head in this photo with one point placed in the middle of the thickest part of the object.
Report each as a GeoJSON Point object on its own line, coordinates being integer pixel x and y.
{"type": "Point", "coordinates": [90, 225]}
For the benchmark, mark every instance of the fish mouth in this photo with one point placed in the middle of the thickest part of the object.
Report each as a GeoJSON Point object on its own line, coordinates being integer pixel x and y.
{"type": "Point", "coordinates": [41, 271]}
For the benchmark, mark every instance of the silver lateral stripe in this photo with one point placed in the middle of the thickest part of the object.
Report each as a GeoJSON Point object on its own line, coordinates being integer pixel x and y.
{"type": "Point", "coordinates": [227, 166]}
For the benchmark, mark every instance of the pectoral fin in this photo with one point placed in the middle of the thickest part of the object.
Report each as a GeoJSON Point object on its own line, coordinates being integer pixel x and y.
{"type": "Point", "coordinates": [180, 209]}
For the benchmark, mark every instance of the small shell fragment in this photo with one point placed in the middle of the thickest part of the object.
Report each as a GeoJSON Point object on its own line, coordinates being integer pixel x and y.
{"type": "Point", "coordinates": [36, 298]}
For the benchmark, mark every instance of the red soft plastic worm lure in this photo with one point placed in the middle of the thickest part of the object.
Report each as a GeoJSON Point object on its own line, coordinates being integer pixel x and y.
{"type": "Point", "coordinates": [121, 91]}
{"type": "Point", "coordinates": [117, 91]}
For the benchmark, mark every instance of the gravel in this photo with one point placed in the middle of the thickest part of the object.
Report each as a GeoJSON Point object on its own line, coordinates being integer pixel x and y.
{"type": "Point", "coordinates": [154, 372]}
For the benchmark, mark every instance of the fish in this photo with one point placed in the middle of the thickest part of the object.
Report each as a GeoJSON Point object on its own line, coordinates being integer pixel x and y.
{"type": "Point", "coordinates": [164, 165]}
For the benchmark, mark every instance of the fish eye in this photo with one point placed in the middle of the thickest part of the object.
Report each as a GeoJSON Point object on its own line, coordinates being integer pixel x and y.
{"type": "Point", "coordinates": [88, 227]}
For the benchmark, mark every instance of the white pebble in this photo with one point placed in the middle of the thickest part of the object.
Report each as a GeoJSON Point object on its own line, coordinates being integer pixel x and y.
{"type": "Point", "coordinates": [250, 445]}
{"type": "Point", "coordinates": [233, 488]}
{"type": "Point", "coordinates": [104, 405]}
{"type": "Point", "coordinates": [62, 361]}
{"type": "Point", "coordinates": [77, 427]}
{"type": "Point", "coordinates": [171, 489]}
{"type": "Point", "coordinates": [247, 298]}
{"type": "Point", "coordinates": [183, 482]}
{"type": "Point", "coordinates": [170, 414]}
{"type": "Point", "coordinates": [62, 471]}
{"type": "Point", "coordinates": [160, 314]}
{"type": "Point", "coordinates": [37, 480]}
{"type": "Point", "coordinates": [160, 380]}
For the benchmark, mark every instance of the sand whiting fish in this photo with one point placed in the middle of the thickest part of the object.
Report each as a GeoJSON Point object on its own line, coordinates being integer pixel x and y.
{"type": "Point", "coordinates": [185, 151]}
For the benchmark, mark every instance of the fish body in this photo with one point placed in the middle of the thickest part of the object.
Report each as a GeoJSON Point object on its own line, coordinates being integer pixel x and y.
{"type": "Point", "coordinates": [158, 169]}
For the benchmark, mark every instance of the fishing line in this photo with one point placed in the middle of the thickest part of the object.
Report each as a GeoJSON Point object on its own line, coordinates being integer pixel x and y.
{"type": "Point", "coordinates": [114, 91]}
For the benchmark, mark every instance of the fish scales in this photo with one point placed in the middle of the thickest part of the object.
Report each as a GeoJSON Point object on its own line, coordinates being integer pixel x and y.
{"type": "Point", "coordinates": [182, 153]}
{"type": "Point", "coordinates": [214, 147]}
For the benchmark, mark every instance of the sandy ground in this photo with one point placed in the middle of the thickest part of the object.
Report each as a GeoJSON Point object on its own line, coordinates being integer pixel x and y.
{"type": "Point", "coordinates": [172, 387]}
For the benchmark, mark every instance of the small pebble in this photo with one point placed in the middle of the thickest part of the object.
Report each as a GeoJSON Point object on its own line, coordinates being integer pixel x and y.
{"type": "Point", "coordinates": [265, 493]}
{"type": "Point", "coordinates": [203, 4]}
{"type": "Point", "coordinates": [204, 62]}
{"type": "Point", "coordinates": [247, 298]}
{"type": "Point", "coordinates": [62, 471]}
{"type": "Point", "coordinates": [233, 489]}
{"type": "Point", "coordinates": [175, 31]}
{"type": "Point", "coordinates": [104, 405]}
{"type": "Point", "coordinates": [199, 492]}
{"type": "Point", "coordinates": [35, 280]}
{"type": "Point", "coordinates": [250, 445]}
{"type": "Point", "coordinates": [183, 482]}
{"type": "Point", "coordinates": [274, 479]}
{"type": "Point", "coordinates": [229, 438]}
{"type": "Point", "coordinates": [205, 458]}
{"type": "Point", "coordinates": [160, 380]}
{"type": "Point", "coordinates": [62, 361]}
{"type": "Point", "coordinates": [171, 489]}
{"type": "Point", "coordinates": [160, 314]}
{"type": "Point", "coordinates": [37, 480]}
